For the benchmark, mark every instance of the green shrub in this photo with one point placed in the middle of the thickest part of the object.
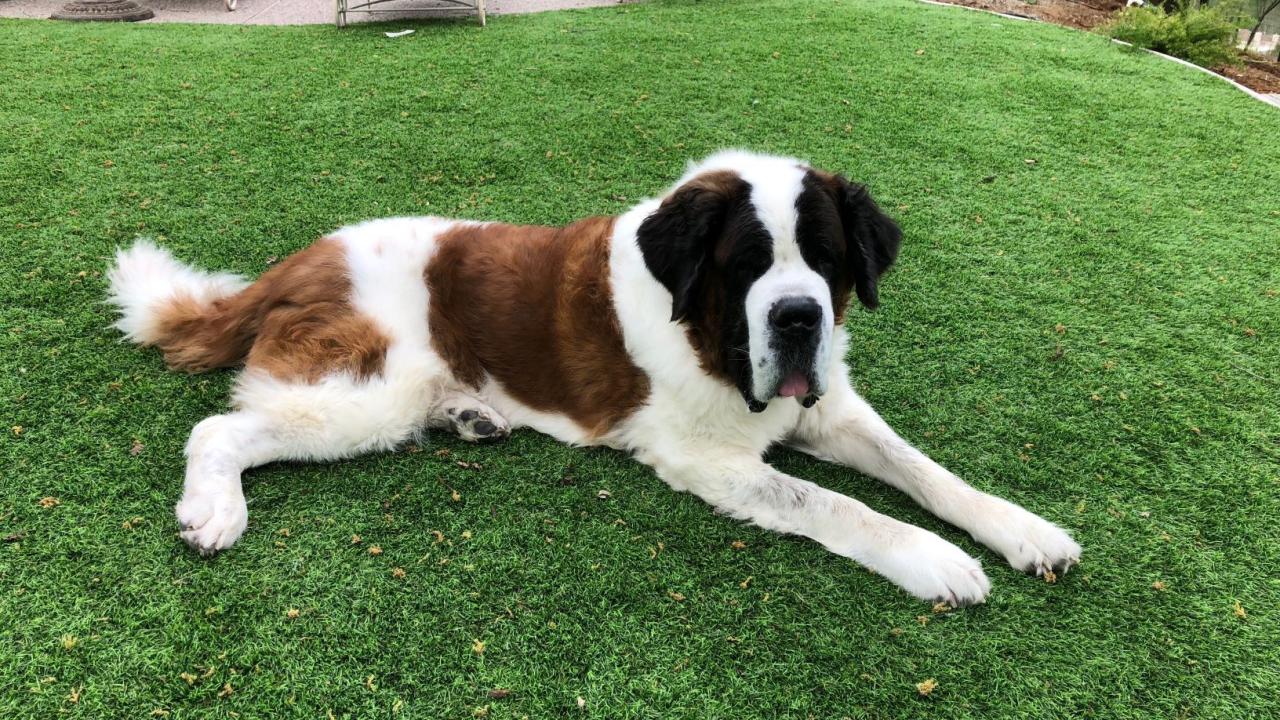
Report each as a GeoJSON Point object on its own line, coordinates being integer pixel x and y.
{"type": "Point", "coordinates": [1203, 35]}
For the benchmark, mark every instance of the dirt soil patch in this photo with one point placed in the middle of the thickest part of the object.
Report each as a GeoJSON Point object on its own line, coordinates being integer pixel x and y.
{"type": "Point", "coordinates": [1259, 75]}
{"type": "Point", "coordinates": [1081, 14]}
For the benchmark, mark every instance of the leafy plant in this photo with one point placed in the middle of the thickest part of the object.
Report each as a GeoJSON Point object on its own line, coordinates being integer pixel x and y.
{"type": "Point", "coordinates": [1192, 31]}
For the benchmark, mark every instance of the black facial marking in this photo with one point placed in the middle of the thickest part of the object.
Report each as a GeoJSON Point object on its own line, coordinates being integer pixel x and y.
{"type": "Point", "coordinates": [820, 234]}
{"type": "Point", "coordinates": [744, 254]}
{"type": "Point", "coordinates": [845, 237]}
{"type": "Point", "coordinates": [706, 245]}
{"type": "Point", "coordinates": [679, 239]}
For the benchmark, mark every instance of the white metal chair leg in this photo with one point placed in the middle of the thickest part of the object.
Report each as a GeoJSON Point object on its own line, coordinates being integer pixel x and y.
{"type": "Point", "coordinates": [342, 8]}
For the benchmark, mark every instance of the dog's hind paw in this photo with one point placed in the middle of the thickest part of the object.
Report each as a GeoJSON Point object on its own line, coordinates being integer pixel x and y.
{"type": "Point", "coordinates": [476, 422]}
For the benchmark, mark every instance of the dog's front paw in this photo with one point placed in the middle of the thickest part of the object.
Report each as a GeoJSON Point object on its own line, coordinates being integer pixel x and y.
{"type": "Point", "coordinates": [1029, 542]}
{"type": "Point", "coordinates": [933, 569]}
{"type": "Point", "coordinates": [212, 522]}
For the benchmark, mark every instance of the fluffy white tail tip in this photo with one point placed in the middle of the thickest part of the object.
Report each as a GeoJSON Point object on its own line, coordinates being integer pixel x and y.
{"type": "Point", "coordinates": [145, 278]}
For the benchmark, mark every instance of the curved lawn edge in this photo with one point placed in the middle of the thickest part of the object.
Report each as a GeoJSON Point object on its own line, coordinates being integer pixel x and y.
{"type": "Point", "coordinates": [1272, 101]}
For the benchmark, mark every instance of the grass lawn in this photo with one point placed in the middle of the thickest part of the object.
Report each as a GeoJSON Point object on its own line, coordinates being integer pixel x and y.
{"type": "Point", "coordinates": [1084, 319]}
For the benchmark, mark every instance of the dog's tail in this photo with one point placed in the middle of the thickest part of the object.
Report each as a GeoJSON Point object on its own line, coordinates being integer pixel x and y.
{"type": "Point", "coordinates": [199, 320]}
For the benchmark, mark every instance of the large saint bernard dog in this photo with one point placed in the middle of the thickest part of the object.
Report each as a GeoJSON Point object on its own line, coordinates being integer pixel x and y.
{"type": "Point", "coordinates": [694, 331]}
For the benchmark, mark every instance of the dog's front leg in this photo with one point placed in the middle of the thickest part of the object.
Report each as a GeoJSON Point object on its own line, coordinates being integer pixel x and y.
{"type": "Point", "coordinates": [845, 429]}
{"type": "Point", "coordinates": [746, 488]}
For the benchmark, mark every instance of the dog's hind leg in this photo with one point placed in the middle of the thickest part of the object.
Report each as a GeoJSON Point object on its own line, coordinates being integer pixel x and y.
{"type": "Point", "coordinates": [212, 512]}
{"type": "Point", "coordinates": [469, 417]}
{"type": "Point", "coordinates": [335, 417]}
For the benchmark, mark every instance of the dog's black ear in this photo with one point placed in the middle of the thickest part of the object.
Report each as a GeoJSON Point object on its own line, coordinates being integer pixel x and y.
{"type": "Point", "coordinates": [871, 238]}
{"type": "Point", "coordinates": [678, 238]}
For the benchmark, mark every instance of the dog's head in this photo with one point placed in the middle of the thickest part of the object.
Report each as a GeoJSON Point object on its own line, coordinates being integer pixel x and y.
{"type": "Point", "coordinates": [760, 255]}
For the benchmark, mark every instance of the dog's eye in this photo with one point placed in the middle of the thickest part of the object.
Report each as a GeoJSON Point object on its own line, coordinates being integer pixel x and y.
{"type": "Point", "coordinates": [752, 256]}
{"type": "Point", "coordinates": [822, 260]}
{"type": "Point", "coordinates": [752, 264]}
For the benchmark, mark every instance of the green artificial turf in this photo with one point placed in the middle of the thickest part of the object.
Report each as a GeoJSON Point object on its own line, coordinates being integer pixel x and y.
{"type": "Point", "coordinates": [1084, 319]}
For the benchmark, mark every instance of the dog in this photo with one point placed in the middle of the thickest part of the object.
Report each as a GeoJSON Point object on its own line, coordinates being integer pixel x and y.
{"type": "Point", "coordinates": [693, 331]}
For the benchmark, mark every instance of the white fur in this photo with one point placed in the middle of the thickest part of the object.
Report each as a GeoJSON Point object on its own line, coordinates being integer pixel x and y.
{"type": "Point", "coordinates": [145, 277]}
{"type": "Point", "coordinates": [694, 430]}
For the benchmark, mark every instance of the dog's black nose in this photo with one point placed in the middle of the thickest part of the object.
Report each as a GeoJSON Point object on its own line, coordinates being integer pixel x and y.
{"type": "Point", "coordinates": [795, 314]}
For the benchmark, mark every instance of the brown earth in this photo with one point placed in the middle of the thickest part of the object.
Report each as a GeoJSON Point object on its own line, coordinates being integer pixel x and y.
{"type": "Point", "coordinates": [1080, 14]}
{"type": "Point", "coordinates": [1259, 75]}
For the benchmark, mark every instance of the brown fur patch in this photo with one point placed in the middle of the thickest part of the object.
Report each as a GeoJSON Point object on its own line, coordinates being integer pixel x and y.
{"type": "Point", "coordinates": [196, 336]}
{"type": "Point", "coordinates": [723, 183]}
{"type": "Point", "coordinates": [296, 322]}
{"type": "Point", "coordinates": [532, 308]}
{"type": "Point", "coordinates": [705, 335]}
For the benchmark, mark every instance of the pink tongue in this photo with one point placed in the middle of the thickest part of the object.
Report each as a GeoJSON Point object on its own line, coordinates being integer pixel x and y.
{"type": "Point", "coordinates": [794, 385]}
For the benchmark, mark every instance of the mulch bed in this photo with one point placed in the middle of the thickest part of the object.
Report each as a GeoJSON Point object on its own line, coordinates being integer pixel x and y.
{"type": "Point", "coordinates": [1080, 14]}
{"type": "Point", "coordinates": [1258, 75]}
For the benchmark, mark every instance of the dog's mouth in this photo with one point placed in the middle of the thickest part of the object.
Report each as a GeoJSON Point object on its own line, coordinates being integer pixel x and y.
{"type": "Point", "coordinates": [797, 359]}
{"type": "Point", "coordinates": [795, 384]}
{"type": "Point", "coordinates": [798, 384]}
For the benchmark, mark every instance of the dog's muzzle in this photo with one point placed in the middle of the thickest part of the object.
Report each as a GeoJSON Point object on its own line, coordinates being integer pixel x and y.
{"type": "Point", "coordinates": [795, 326]}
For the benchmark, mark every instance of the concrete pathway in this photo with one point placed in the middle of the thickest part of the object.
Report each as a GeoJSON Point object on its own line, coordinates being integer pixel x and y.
{"type": "Point", "coordinates": [278, 12]}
